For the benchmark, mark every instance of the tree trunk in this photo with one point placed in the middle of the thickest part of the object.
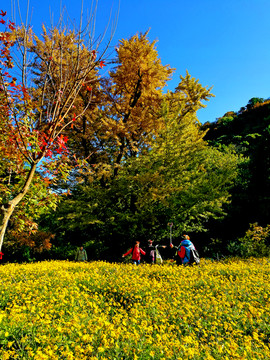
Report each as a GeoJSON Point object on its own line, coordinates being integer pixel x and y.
{"type": "Point", "coordinates": [7, 209]}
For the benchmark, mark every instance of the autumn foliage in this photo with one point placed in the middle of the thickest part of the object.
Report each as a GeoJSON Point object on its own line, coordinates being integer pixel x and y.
{"type": "Point", "coordinates": [37, 106]}
{"type": "Point", "coordinates": [135, 151]}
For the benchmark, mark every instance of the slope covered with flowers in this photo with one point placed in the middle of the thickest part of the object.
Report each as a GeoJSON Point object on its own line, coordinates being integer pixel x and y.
{"type": "Point", "coordinates": [97, 310]}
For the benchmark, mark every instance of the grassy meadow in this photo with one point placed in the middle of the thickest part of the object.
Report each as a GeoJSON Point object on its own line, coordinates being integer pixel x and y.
{"type": "Point", "coordinates": [97, 310]}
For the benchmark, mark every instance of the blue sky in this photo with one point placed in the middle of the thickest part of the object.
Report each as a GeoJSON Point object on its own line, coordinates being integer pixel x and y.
{"type": "Point", "coordinates": [224, 44]}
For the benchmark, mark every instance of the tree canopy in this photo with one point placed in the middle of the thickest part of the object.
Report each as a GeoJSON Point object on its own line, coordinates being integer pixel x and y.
{"type": "Point", "coordinates": [104, 159]}
{"type": "Point", "coordinates": [248, 132]}
{"type": "Point", "coordinates": [40, 79]}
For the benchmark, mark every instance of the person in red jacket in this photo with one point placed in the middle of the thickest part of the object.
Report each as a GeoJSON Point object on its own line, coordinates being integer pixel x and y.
{"type": "Point", "coordinates": [136, 253]}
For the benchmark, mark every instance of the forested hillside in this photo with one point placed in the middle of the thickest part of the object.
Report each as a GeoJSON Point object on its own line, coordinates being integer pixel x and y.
{"type": "Point", "coordinates": [248, 132]}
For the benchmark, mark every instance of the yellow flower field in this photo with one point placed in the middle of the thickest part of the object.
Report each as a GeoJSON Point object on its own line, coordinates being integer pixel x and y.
{"type": "Point", "coordinates": [97, 310]}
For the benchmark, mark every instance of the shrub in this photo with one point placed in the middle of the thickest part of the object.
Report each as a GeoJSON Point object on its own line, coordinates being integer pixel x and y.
{"type": "Point", "coordinates": [255, 241]}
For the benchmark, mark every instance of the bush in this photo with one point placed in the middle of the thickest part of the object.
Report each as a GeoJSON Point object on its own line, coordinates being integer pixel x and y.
{"type": "Point", "coordinates": [255, 242]}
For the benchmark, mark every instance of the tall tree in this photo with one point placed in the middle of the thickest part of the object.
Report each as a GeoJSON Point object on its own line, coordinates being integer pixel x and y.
{"type": "Point", "coordinates": [134, 95]}
{"type": "Point", "coordinates": [127, 104]}
{"type": "Point", "coordinates": [176, 178]}
{"type": "Point", "coordinates": [181, 178]}
{"type": "Point", "coordinates": [38, 103]}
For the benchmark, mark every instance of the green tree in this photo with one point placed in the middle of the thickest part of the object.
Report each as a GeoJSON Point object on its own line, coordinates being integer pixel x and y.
{"type": "Point", "coordinates": [177, 177]}
{"type": "Point", "coordinates": [180, 178]}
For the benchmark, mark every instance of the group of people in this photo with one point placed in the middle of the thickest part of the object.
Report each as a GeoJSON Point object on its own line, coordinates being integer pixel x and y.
{"type": "Point", "coordinates": [151, 254]}
{"type": "Point", "coordinates": [184, 253]}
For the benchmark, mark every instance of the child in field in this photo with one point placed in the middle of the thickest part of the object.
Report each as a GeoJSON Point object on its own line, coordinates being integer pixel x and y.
{"type": "Point", "coordinates": [136, 253]}
{"type": "Point", "coordinates": [152, 253]}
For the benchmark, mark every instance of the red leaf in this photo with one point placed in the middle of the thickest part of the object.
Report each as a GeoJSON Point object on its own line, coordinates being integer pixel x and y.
{"type": "Point", "coordinates": [2, 21]}
{"type": "Point", "coordinates": [47, 181]}
{"type": "Point", "coordinates": [2, 13]}
{"type": "Point", "coordinates": [94, 54]}
{"type": "Point", "coordinates": [49, 153]}
{"type": "Point", "coordinates": [101, 64]}
{"type": "Point", "coordinates": [11, 25]}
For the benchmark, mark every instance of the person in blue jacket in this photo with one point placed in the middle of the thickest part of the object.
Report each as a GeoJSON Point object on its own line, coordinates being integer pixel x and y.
{"type": "Point", "coordinates": [184, 255]}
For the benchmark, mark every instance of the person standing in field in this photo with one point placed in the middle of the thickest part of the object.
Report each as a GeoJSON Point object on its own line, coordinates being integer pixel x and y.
{"type": "Point", "coordinates": [136, 253]}
{"type": "Point", "coordinates": [81, 254]}
{"type": "Point", "coordinates": [186, 253]}
{"type": "Point", "coordinates": [152, 253]}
